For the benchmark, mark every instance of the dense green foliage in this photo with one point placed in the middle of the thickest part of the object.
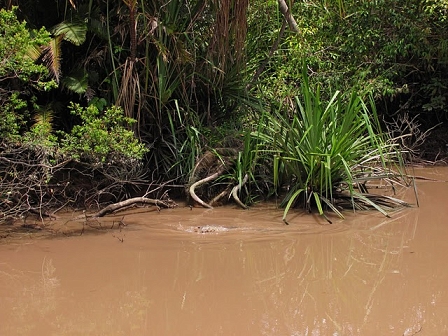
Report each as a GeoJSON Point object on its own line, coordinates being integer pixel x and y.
{"type": "Point", "coordinates": [20, 76]}
{"type": "Point", "coordinates": [101, 137]}
{"type": "Point", "coordinates": [92, 81]}
{"type": "Point", "coordinates": [18, 47]}
{"type": "Point", "coordinates": [396, 50]}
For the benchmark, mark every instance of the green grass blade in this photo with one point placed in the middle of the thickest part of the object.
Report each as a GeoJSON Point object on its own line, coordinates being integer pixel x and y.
{"type": "Point", "coordinates": [291, 201]}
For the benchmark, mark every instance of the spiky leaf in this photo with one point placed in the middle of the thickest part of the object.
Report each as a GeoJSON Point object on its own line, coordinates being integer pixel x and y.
{"type": "Point", "coordinates": [52, 57]}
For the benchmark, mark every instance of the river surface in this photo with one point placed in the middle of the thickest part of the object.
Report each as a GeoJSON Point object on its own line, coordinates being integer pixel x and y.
{"type": "Point", "coordinates": [161, 274]}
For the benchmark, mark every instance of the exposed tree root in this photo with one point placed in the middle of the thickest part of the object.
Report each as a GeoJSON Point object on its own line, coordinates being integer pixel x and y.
{"type": "Point", "coordinates": [238, 188]}
{"type": "Point", "coordinates": [200, 182]}
{"type": "Point", "coordinates": [222, 194]}
{"type": "Point", "coordinates": [211, 165]}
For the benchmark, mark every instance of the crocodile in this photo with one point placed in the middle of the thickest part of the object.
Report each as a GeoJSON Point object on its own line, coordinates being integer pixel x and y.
{"type": "Point", "coordinates": [211, 229]}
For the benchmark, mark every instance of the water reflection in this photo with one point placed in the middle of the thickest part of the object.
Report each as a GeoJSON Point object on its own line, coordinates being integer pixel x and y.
{"type": "Point", "coordinates": [366, 275]}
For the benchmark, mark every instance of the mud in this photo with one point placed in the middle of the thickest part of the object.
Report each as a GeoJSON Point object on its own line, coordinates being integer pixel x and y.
{"type": "Point", "coordinates": [228, 271]}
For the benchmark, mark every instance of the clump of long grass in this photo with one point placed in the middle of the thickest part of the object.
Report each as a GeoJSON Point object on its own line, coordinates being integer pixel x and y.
{"type": "Point", "coordinates": [328, 150]}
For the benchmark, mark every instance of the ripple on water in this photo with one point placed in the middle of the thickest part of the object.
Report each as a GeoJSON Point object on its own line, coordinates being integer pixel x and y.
{"type": "Point", "coordinates": [227, 223]}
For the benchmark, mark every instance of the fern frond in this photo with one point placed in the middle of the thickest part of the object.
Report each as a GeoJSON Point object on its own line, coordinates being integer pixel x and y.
{"type": "Point", "coordinates": [44, 118]}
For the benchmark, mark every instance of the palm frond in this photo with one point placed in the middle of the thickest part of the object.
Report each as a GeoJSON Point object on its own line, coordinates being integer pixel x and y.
{"type": "Point", "coordinates": [52, 57]}
{"type": "Point", "coordinates": [44, 115]}
{"type": "Point", "coordinates": [34, 52]}
{"type": "Point", "coordinates": [77, 81]}
{"type": "Point", "coordinates": [72, 31]}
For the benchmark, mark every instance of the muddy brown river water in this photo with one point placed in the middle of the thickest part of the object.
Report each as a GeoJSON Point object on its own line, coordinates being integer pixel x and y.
{"type": "Point", "coordinates": [160, 275]}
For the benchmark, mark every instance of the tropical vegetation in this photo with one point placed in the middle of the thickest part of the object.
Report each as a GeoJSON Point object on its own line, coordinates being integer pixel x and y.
{"type": "Point", "coordinates": [305, 100]}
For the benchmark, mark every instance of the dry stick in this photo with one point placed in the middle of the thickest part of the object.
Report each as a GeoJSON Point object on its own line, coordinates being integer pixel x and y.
{"type": "Point", "coordinates": [34, 164]}
{"type": "Point", "coordinates": [288, 19]}
{"type": "Point", "coordinates": [271, 52]}
{"type": "Point", "coordinates": [38, 212]}
{"type": "Point", "coordinates": [200, 182]}
{"type": "Point", "coordinates": [119, 205]}
{"type": "Point", "coordinates": [238, 188]}
{"type": "Point", "coordinates": [414, 184]}
{"type": "Point", "coordinates": [221, 195]}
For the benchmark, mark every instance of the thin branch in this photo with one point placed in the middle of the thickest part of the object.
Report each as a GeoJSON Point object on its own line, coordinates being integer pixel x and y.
{"type": "Point", "coordinates": [288, 16]}
{"type": "Point", "coordinates": [125, 203]}
{"type": "Point", "coordinates": [271, 52]}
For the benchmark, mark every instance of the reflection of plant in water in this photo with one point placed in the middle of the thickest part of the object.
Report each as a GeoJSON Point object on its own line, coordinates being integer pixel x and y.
{"type": "Point", "coordinates": [333, 284]}
{"type": "Point", "coordinates": [43, 292]}
{"type": "Point", "coordinates": [135, 308]}
{"type": "Point", "coordinates": [49, 280]}
{"type": "Point", "coordinates": [126, 314]}
{"type": "Point", "coordinates": [38, 299]}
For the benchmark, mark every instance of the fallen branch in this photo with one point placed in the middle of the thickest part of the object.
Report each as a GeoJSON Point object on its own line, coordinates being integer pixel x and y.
{"type": "Point", "coordinates": [218, 160]}
{"type": "Point", "coordinates": [125, 203]}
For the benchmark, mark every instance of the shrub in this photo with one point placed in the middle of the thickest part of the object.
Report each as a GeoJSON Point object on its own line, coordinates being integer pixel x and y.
{"type": "Point", "coordinates": [102, 136]}
{"type": "Point", "coordinates": [321, 149]}
{"type": "Point", "coordinates": [20, 75]}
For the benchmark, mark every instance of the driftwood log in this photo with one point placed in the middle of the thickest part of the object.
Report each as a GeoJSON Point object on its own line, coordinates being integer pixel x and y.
{"type": "Point", "coordinates": [136, 200]}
